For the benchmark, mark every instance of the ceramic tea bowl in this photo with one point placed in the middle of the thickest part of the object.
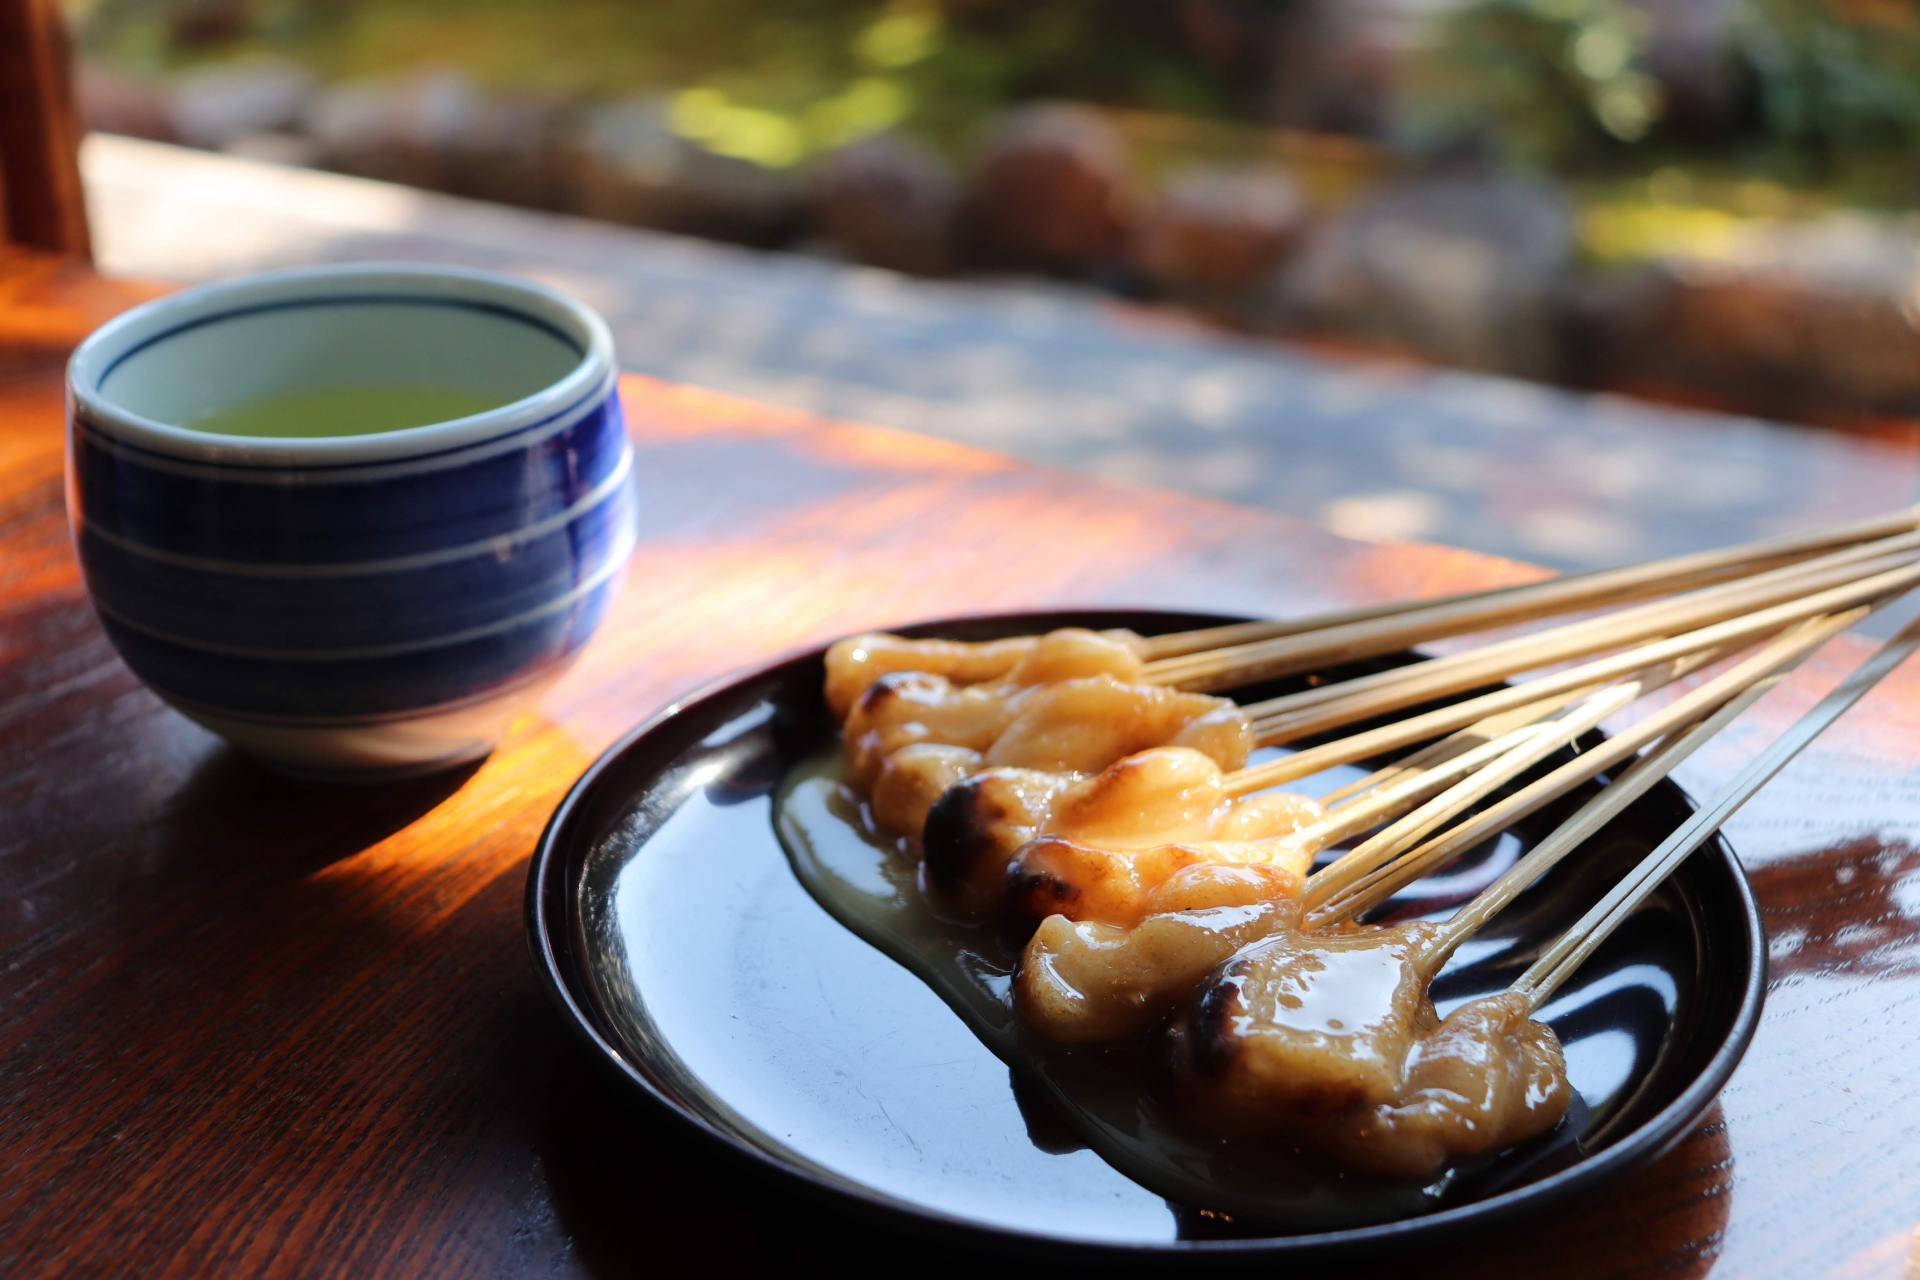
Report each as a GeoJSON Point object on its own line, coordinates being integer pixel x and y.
{"type": "Point", "coordinates": [357, 605]}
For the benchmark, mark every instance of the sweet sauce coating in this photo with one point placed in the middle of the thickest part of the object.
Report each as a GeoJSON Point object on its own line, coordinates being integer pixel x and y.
{"type": "Point", "coordinates": [905, 708]}
{"type": "Point", "coordinates": [1077, 725]}
{"type": "Point", "coordinates": [1332, 1039]}
{"type": "Point", "coordinates": [1324, 1043]}
{"type": "Point", "coordinates": [1486, 1078]}
{"type": "Point", "coordinates": [1164, 796]}
{"type": "Point", "coordinates": [1055, 876]}
{"type": "Point", "coordinates": [856, 662]}
{"type": "Point", "coordinates": [1084, 725]}
{"type": "Point", "coordinates": [1303, 1024]}
{"type": "Point", "coordinates": [1084, 982]}
{"type": "Point", "coordinates": [915, 776]}
{"type": "Point", "coordinates": [972, 831]}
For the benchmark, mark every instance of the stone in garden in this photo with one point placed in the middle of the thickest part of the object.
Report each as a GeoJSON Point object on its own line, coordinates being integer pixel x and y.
{"type": "Point", "coordinates": [211, 106]}
{"type": "Point", "coordinates": [113, 100]}
{"type": "Point", "coordinates": [1335, 66]}
{"type": "Point", "coordinates": [1462, 270]}
{"type": "Point", "coordinates": [888, 201]}
{"type": "Point", "coordinates": [276, 148]}
{"type": "Point", "coordinates": [438, 130]}
{"type": "Point", "coordinates": [1817, 320]}
{"type": "Point", "coordinates": [1220, 230]}
{"type": "Point", "coordinates": [405, 130]}
{"type": "Point", "coordinates": [511, 150]}
{"type": "Point", "coordinates": [1050, 191]}
{"type": "Point", "coordinates": [628, 165]}
{"type": "Point", "coordinates": [1692, 50]}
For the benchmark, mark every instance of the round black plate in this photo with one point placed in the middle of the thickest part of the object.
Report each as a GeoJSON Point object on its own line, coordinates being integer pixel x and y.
{"type": "Point", "coordinates": [668, 927]}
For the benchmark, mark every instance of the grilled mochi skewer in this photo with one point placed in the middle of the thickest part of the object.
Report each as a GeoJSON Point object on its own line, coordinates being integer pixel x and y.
{"type": "Point", "coordinates": [1010, 832]}
{"type": "Point", "coordinates": [1088, 980]}
{"type": "Point", "coordinates": [1128, 947]}
{"type": "Point", "coordinates": [1092, 716]}
{"type": "Point", "coordinates": [1027, 844]}
{"type": "Point", "coordinates": [854, 663]}
{"type": "Point", "coordinates": [1072, 703]}
{"type": "Point", "coordinates": [1170, 806]}
{"type": "Point", "coordinates": [911, 736]}
{"type": "Point", "coordinates": [1330, 1037]}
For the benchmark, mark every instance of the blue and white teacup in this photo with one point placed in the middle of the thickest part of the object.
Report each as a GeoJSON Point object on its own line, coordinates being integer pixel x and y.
{"type": "Point", "coordinates": [359, 604]}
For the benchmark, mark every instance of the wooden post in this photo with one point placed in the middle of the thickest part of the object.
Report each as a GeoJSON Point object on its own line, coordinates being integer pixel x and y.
{"type": "Point", "coordinates": [40, 193]}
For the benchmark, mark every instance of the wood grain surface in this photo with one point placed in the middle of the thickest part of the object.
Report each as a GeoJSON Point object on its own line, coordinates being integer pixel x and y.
{"type": "Point", "coordinates": [255, 1027]}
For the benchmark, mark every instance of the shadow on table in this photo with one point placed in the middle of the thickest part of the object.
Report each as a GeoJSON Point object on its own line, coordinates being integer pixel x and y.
{"type": "Point", "coordinates": [233, 862]}
{"type": "Point", "coordinates": [229, 804]}
{"type": "Point", "coordinates": [170, 825]}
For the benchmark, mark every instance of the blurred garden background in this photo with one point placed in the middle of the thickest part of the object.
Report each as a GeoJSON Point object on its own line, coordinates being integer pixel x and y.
{"type": "Point", "coordinates": [1703, 203]}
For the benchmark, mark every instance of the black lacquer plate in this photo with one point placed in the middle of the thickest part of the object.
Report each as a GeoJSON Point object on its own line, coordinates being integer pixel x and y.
{"type": "Point", "coordinates": [670, 930]}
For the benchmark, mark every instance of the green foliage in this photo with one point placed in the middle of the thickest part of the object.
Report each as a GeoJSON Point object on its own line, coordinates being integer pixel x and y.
{"type": "Point", "coordinates": [768, 81]}
{"type": "Point", "coordinates": [1567, 84]}
{"type": "Point", "coordinates": [1837, 77]}
{"type": "Point", "coordinates": [1563, 84]}
{"type": "Point", "coordinates": [1556, 81]}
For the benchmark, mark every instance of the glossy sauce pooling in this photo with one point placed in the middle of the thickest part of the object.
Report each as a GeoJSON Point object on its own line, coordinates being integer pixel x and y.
{"type": "Point", "coordinates": [1485, 1078]}
{"type": "Point", "coordinates": [855, 663]}
{"type": "Point", "coordinates": [1311, 1023]}
{"type": "Point", "coordinates": [868, 882]}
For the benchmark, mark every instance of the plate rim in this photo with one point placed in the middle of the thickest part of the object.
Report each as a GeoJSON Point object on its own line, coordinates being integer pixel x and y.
{"type": "Point", "coordinates": [1645, 1142]}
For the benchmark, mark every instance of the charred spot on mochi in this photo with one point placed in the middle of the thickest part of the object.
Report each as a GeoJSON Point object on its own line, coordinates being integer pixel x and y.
{"type": "Point", "coordinates": [884, 689]}
{"type": "Point", "coordinates": [960, 831]}
{"type": "Point", "coordinates": [1032, 895]}
{"type": "Point", "coordinates": [1212, 1046]}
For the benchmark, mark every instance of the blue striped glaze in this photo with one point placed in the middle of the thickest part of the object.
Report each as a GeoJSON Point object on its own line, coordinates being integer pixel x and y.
{"type": "Point", "coordinates": [293, 515]}
{"type": "Point", "coordinates": [355, 607]}
{"type": "Point", "coordinates": [366, 689]}
{"type": "Point", "coordinates": [317, 589]}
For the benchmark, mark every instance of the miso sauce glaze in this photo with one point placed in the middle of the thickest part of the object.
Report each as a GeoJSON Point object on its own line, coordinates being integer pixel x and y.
{"type": "Point", "coordinates": [868, 882]}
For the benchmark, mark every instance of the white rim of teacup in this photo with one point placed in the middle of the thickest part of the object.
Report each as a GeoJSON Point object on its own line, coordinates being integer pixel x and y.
{"type": "Point", "coordinates": [155, 321]}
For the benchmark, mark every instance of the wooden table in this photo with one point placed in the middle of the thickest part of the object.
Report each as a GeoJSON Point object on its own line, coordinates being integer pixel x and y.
{"type": "Point", "coordinates": [250, 1026]}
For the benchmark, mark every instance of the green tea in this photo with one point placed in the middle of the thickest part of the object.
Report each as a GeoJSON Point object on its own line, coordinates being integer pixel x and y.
{"type": "Point", "coordinates": [343, 411]}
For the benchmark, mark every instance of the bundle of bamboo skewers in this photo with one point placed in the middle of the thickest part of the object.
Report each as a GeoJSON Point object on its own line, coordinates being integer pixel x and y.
{"type": "Point", "coordinates": [1787, 595]}
{"type": "Point", "coordinates": [1755, 611]}
{"type": "Point", "coordinates": [1090, 793]}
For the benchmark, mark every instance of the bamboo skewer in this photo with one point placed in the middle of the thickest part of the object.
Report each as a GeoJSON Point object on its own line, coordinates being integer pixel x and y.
{"type": "Point", "coordinates": [1435, 754]}
{"type": "Point", "coordinates": [1562, 594]}
{"type": "Point", "coordinates": [1389, 802]}
{"type": "Point", "coordinates": [1358, 895]}
{"type": "Point", "coordinates": [1679, 732]}
{"type": "Point", "coordinates": [1389, 792]}
{"type": "Point", "coordinates": [1383, 884]}
{"type": "Point", "coordinates": [1579, 942]}
{"type": "Point", "coordinates": [1240, 664]}
{"type": "Point", "coordinates": [1774, 604]}
{"type": "Point", "coordinates": [1386, 794]}
{"type": "Point", "coordinates": [1449, 804]}
{"type": "Point", "coordinates": [1502, 606]}
{"type": "Point", "coordinates": [1259, 777]}
{"type": "Point", "coordinates": [1730, 600]}
{"type": "Point", "coordinates": [1592, 816]}
{"type": "Point", "coordinates": [1702, 647]}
